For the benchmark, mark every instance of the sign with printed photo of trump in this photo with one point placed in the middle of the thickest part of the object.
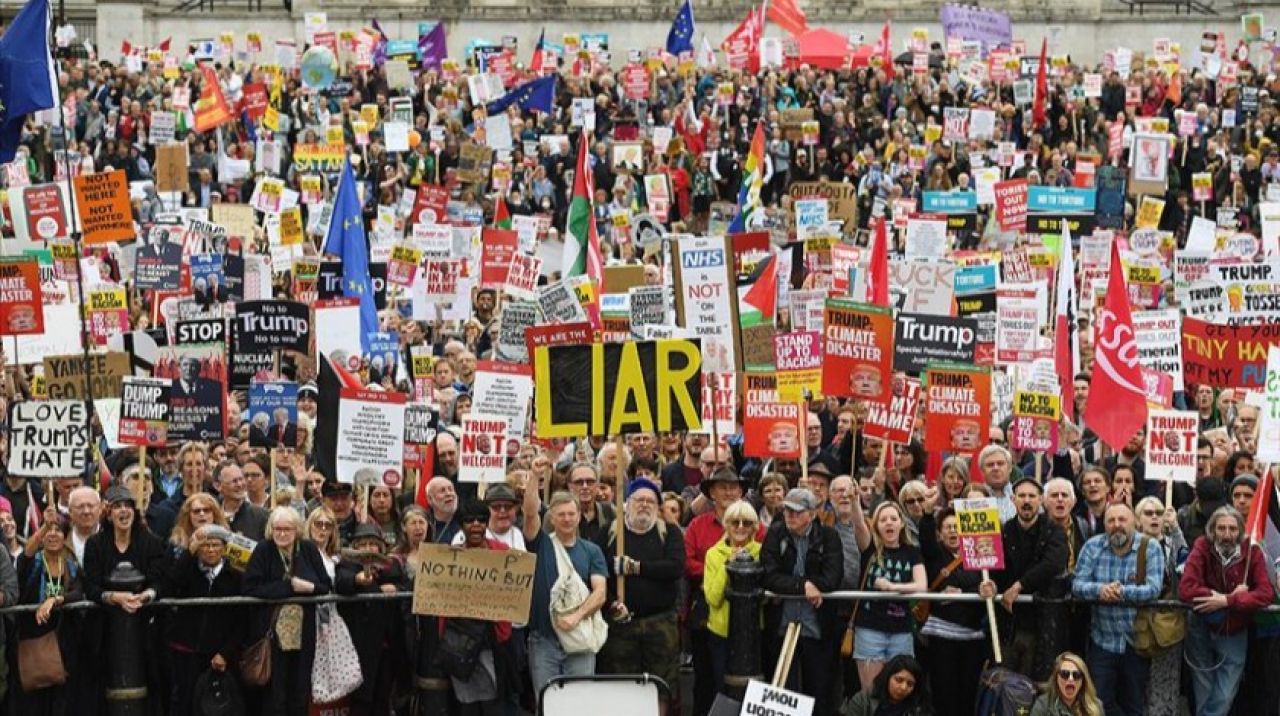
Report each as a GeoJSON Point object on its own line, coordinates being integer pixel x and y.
{"type": "Point", "coordinates": [273, 414]}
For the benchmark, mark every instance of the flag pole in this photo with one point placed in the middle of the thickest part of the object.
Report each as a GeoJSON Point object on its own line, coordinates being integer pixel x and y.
{"type": "Point", "coordinates": [77, 238]}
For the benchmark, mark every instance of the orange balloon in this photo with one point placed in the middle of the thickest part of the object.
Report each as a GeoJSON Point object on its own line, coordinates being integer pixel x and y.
{"type": "Point", "coordinates": [414, 138]}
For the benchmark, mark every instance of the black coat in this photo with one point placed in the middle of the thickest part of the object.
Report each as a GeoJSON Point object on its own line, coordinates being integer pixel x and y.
{"type": "Point", "coordinates": [205, 631]}
{"type": "Point", "coordinates": [146, 552]}
{"type": "Point", "coordinates": [1033, 557]}
{"type": "Point", "coordinates": [377, 628]}
{"type": "Point", "coordinates": [823, 565]}
{"type": "Point", "coordinates": [265, 578]}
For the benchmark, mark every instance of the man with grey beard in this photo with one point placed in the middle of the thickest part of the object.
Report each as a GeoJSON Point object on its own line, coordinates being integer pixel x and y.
{"type": "Point", "coordinates": [643, 636]}
{"type": "Point", "coordinates": [1122, 570]}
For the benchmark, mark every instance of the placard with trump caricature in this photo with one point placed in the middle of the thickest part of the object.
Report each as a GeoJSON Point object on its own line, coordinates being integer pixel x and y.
{"type": "Point", "coordinates": [957, 408]}
{"type": "Point", "coordinates": [857, 350]}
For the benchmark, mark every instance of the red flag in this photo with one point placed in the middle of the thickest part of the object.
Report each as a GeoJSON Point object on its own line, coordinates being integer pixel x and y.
{"type": "Point", "coordinates": [164, 46]}
{"type": "Point", "coordinates": [535, 65]}
{"type": "Point", "coordinates": [212, 110]}
{"type": "Point", "coordinates": [878, 273]}
{"type": "Point", "coordinates": [748, 33]}
{"type": "Point", "coordinates": [787, 15]}
{"type": "Point", "coordinates": [1038, 118]}
{"type": "Point", "coordinates": [1117, 407]}
{"type": "Point", "coordinates": [126, 49]}
{"type": "Point", "coordinates": [763, 293]}
{"type": "Point", "coordinates": [1173, 92]}
{"type": "Point", "coordinates": [427, 467]}
{"type": "Point", "coordinates": [886, 52]}
{"type": "Point", "coordinates": [1255, 527]}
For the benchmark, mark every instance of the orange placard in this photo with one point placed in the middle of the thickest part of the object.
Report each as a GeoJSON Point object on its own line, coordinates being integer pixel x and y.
{"type": "Point", "coordinates": [102, 201]}
{"type": "Point", "coordinates": [21, 312]}
{"type": "Point", "coordinates": [857, 350]}
{"type": "Point", "coordinates": [772, 430]}
{"type": "Point", "coordinates": [957, 408]}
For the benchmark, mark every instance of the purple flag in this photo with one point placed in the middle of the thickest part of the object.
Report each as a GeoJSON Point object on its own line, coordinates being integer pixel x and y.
{"type": "Point", "coordinates": [992, 27]}
{"type": "Point", "coordinates": [432, 47]}
{"type": "Point", "coordinates": [379, 48]}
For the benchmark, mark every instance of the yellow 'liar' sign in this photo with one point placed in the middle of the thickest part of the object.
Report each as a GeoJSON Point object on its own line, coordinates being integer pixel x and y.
{"type": "Point", "coordinates": [613, 388]}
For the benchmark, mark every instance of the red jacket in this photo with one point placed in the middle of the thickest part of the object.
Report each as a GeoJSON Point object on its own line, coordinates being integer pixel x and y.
{"type": "Point", "coordinates": [1203, 574]}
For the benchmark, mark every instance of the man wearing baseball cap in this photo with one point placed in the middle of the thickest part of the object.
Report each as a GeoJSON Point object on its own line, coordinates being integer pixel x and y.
{"type": "Point", "coordinates": [643, 635]}
{"type": "Point", "coordinates": [802, 557]}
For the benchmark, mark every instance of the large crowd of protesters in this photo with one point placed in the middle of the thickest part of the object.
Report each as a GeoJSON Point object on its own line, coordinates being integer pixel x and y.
{"type": "Point", "coordinates": [1092, 527]}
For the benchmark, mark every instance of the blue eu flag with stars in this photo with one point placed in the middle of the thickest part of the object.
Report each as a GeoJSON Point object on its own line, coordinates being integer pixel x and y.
{"type": "Point", "coordinates": [539, 94]}
{"type": "Point", "coordinates": [27, 81]}
{"type": "Point", "coordinates": [346, 241]}
{"type": "Point", "coordinates": [680, 37]}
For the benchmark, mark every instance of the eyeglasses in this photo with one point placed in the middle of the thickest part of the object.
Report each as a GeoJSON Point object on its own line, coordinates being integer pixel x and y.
{"type": "Point", "coordinates": [471, 519]}
{"type": "Point", "coordinates": [912, 500]}
{"type": "Point", "coordinates": [201, 510]}
{"type": "Point", "coordinates": [283, 528]}
{"type": "Point", "coordinates": [322, 525]}
{"type": "Point", "coordinates": [502, 507]}
{"type": "Point", "coordinates": [1150, 513]}
{"type": "Point", "coordinates": [1070, 675]}
{"type": "Point", "coordinates": [584, 483]}
{"type": "Point", "coordinates": [742, 523]}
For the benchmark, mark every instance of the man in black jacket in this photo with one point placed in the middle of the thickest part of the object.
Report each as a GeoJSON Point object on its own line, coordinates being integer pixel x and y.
{"type": "Point", "coordinates": [802, 557]}
{"type": "Point", "coordinates": [1035, 552]}
{"type": "Point", "coordinates": [643, 635]}
{"type": "Point", "coordinates": [202, 639]}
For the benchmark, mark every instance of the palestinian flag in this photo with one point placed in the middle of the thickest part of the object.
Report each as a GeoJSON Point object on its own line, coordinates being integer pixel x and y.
{"type": "Point", "coordinates": [759, 305]}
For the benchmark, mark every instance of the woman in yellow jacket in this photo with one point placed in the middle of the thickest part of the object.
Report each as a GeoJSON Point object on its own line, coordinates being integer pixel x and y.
{"type": "Point", "coordinates": [740, 524]}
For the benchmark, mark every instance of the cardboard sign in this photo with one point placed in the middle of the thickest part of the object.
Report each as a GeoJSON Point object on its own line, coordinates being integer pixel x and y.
{"type": "Point", "coordinates": [488, 584]}
{"type": "Point", "coordinates": [762, 699]}
{"type": "Point", "coordinates": [102, 201]}
{"type": "Point", "coordinates": [957, 408]}
{"type": "Point", "coordinates": [48, 438]}
{"type": "Point", "coordinates": [265, 326]}
{"type": "Point", "coordinates": [144, 411]}
{"type": "Point", "coordinates": [21, 304]}
{"type": "Point", "coordinates": [1171, 445]}
{"type": "Point", "coordinates": [370, 437]}
{"type": "Point", "coordinates": [981, 545]}
{"type": "Point", "coordinates": [64, 375]}
{"type": "Point", "coordinates": [634, 387]}
{"type": "Point", "coordinates": [772, 430]}
{"type": "Point", "coordinates": [857, 350]}
{"type": "Point", "coordinates": [482, 457]}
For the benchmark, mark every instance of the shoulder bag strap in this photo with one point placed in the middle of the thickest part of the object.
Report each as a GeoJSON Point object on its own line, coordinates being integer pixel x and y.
{"type": "Point", "coordinates": [1142, 561]}
{"type": "Point", "coordinates": [946, 572]}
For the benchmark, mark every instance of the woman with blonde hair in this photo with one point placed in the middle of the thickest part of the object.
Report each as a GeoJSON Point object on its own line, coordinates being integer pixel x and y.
{"type": "Point", "coordinates": [197, 511]}
{"type": "Point", "coordinates": [322, 529]}
{"type": "Point", "coordinates": [891, 562]}
{"type": "Point", "coordinates": [1164, 686]}
{"type": "Point", "coordinates": [740, 525]}
{"type": "Point", "coordinates": [1069, 691]}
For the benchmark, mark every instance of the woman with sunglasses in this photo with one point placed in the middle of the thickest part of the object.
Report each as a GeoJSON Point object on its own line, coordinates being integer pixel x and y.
{"type": "Point", "coordinates": [322, 530]}
{"type": "Point", "coordinates": [1164, 687]}
{"type": "Point", "coordinates": [739, 541]}
{"type": "Point", "coordinates": [1069, 691]}
{"type": "Point", "coordinates": [199, 510]}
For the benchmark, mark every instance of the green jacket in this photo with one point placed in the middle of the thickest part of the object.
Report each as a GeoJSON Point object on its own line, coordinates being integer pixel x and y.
{"type": "Point", "coordinates": [864, 704]}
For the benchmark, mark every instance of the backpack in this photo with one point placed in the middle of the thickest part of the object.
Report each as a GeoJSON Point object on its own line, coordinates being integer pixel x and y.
{"type": "Point", "coordinates": [460, 646]}
{"type": "Point", "coordinates": [1002, 692]}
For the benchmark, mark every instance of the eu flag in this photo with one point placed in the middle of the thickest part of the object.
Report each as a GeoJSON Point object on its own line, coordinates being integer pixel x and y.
{"type": "Point", "coordinates": [27, 81]}
{"type": "Point", "coordinates": [346, 241]}
{"type": "Point", "coordinates": [680, 37]}
{"type": "Point", "coordinates": [539, 94]}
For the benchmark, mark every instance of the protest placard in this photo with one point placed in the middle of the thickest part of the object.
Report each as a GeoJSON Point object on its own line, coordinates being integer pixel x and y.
{"type": "Point", "coordinates": [761, 699]}
{"type": "Point", "coordinates": [923, 286]}
{"type": "Point", "coordinates": [1226, 356]}
{"type": "Point", "coordinates": [487, 584]}
{"type": "Point", "coordinates": [370, 437]}
{"type": "Point", "coordinates": [920, 339]}
{"type": "Point", "coordinates": [198, 396]}
{"type": "Point", "coordinates": [1269, 413]}
{"type": "Point", "coordinates": [957, 407]}
{"type": "Point", "coordinates": [1035, 422]}
{"type": "Point", "coordinates": [981, 544]}
{"type": "Point", "coordinates": [503, 389]}
{"type": "Point", "coordinates": [719, 403]}
{"type": "Point", "coordinates": [273, 414]}
{"type": "Point", "coordinates": [772, 430]}
{"type": "Point", "coordinates": [705, 298]}
{"type": "Point", "coordinates": [522, 277]}
{"type": "Point", "coordinates": [21, 306]}
{"type": "Point", "coordinates": [643, 386]}
{"type": "Point", "coordinates": [48, 438]}
{"type": "Point", "coordinates": [102, 202]}
{"type": "Point", "coordinates": [264, 326]}
{"type": "Point", "coordinates": [1158, 335]}
{"type": "Point", "coordinates": [1171, 445]}
{"type": "Point", "coordinates": [893, 420]}
{"type": "Point", "coordinates": [516, 317]}
{"type": "Point", "coordinates": [482, 457]}
{"type": "Point", "coordinates": [144, 411]}
{"type": "Point", "coordinates": [798, 361]}
{"type": "Point", "coordinates": [64, 375]}
{"type": "Point", "coordinates": [857, 350]}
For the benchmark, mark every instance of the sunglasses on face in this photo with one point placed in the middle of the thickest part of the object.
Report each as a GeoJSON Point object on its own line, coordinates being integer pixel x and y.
{"type": "Point", "coordinates": [913, 500]}
{"type": "Point", "coordinates": [473, 519]}
{"type": "Point", "coordinates": [1070, 675]}
{"type": "Point", "coordinates": [741, 523]}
